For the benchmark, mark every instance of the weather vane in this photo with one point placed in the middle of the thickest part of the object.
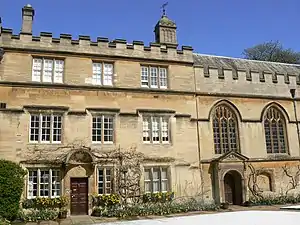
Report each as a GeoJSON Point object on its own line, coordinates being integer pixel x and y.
{"type": "Point", "coordinates": [164, 8]}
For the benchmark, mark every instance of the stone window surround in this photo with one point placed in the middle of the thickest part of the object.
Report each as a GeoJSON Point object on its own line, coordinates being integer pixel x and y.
{"type": "Point", "coordinates": [148, 80]}
{"type": "Point", "coordinates": [237, 131]}
{"type": "Point", "coordinates": [156, 113]}
{"type": "Point", "coordinates": [277, 108]}
{"type": "Point", "coordinates": [112, 180]}
{"type": "Point", "coordinates": [47, 110]}
{"type": "Point", "coordinates": [43, 58]}
{"type": "Point", "coordinates": [103, 62]}
{"type": "Point", "coordinates": [151, 166]}
{"type": "Point", "coordinates": [38, 168]}
{"type": "Point", "coordinates": [98, 112]}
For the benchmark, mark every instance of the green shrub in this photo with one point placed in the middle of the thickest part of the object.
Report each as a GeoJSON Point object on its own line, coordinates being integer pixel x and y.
{"type": "Point", "coordinates": [11, 186]}
{"type": "Point", "coordinates": [45, 203]}
{"type": "Point", "coordinates": [152, 208]}
{"type": "Point", "coordinates": [158, 197]}
{"type": "Point", "coordinates": [106, 200]}
{"type": "Point", "coordinates": [34, 215]}
{"type": "Point", "coordinates": [277, 200]}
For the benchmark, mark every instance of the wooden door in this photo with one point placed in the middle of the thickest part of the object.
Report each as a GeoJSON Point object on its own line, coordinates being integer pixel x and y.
{"type": "Point", "coordinates": [79, 196]}
{"type": "Point", "coordinates": [229, 188]}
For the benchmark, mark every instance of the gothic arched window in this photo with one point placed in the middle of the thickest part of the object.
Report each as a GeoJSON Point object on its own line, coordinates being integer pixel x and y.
{"type": "Point", "coordinates": [275, 131]}
{"type": "Point", "coordinates": [225, 129]}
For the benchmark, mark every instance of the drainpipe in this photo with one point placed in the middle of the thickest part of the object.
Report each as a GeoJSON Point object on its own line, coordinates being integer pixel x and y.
{"type": "Point", "coordinates": [293, 94]}
{"type": "Point", "coordinates": [198, 137]}
{"type": "Point", "coordinates": [1, 54]}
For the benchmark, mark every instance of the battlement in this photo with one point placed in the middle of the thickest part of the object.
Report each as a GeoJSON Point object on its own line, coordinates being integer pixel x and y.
{"type": "Point", "coordinates": [102, 46]}
{"type": "Point", "coordinates": [242, 76]}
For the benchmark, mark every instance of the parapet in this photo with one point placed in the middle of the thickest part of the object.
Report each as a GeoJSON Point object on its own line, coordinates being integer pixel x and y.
{"type": "Point", "coordinates": [242, 76]}
{"type": "Point", "coordinates": [250, 67]}
{"type": "Point", "coordinates": [65, 44]}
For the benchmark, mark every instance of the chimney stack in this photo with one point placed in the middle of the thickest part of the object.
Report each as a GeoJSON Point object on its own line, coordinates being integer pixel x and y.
{"type": "Point", "coordinates": [27, 19]}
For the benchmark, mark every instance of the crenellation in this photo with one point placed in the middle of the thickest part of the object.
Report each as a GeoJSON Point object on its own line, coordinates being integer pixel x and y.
{"type": "Point", "coordinates": [286, 78]}
{"type": "Point", "coordinates": [102, 39]}
{"type": "Point", "coordinates": [147, 48]}
{"type": "Point", "coordinates": [84, 37]}
{"type": "Point", "coordinates": [66, 36]}
{"type": "Point", "coordinates": [15, 36]}
{"type": "Point", "coordinates": [112, 45]}
{"type": "Point", "coordinates": [120, 43]}
{"type": "Point", "coordinates": [55, 40]}
{"type": "Point", "coordinates": [206, 71]}
{"type": "Point", "coordinates": [75, 42]}
{"type": "Point", "coordinates": [248, 75]}
{"type": "Point", "coordinates": [235, 75]}
{"type": "Point", "coordinates": [274, 77]}
{"type": "Point", "coordinates": [45, 34]}
{"type": "Point", "coordinates": [36, 38]}
{"type": "Point", "coordinates": [46, 38]}
{"type": "Point", "coordinates": [221, 73]}
{"type": "Point", "coordinates": [262, 76]}
{"type": "Point", "coordinates": [84, 40]}
{"type": "Point", "coordinates": [298, 79]}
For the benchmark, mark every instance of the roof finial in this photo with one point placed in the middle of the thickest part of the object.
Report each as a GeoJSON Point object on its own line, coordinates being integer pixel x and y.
{"type": "Point", "coordinates": [164, 8]}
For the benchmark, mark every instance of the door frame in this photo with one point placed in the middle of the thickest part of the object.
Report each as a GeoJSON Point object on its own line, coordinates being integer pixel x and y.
{"type": "Point", "coordinates": [86, 179]}
{"type": "Point", "coordinates": [237, 189]}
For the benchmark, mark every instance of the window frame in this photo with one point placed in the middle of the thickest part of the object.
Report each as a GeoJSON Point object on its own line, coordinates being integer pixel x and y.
{"type": "Point", "coordinates": [103, 116]}
{"type": "Point", "coordinates": [149, 76]}
{"type": "Point", "coordinates": [112, 180]}
{"type": "Point", "coordinates": [282, 119]}
{"type": "Point", "coordinates": [160, 130]}
{"type": "Point", "coordinates": [221, 137]}
{"type": "Point", "coordinates": [102, 79]}
{"type": "Point", "coordinates": [40, 128]}
{"type": "Point", "coordinates": [160, 180]}
{"type": "Point", "coordinates": [53, 72]}
{"type": "Point", "coordinates": [50, 182]}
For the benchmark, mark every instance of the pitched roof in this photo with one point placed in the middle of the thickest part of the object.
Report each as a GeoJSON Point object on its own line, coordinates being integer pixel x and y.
{"type": "Point", "coordinates": [244, 64]}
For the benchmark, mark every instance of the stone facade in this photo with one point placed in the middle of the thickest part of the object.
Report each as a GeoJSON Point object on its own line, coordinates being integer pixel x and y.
{"type": "Point", "coordinates": [187, 144]}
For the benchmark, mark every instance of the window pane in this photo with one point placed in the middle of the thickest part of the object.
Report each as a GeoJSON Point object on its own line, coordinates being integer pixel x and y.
{"type": "Point", "coordinates": [100, 181]}
{"type": "Point", "coordinates": [155, 180]}
{"type": "Point", "coordinates": [108, 129]}
{"type": "Point", "coordinates": [47, 70]}
{"type": "Point", "coordinates": [44, 183]}
{"type": "Point", "coordinates": [97, 73]}
{"type": "Point", "coordinates": [108, 74]}
{"type": "Point", "coordinates": [46, 128]}
{"type": "Point", "coordinates": [155, 129]}
{"type": "Point", "coordinates": [37, 69]}
{"type": "Point", "coordinates": [144, 76]}
{"type": "Point", "coordinates": [55, 183]}
{"type": "Point", "coordinates": [96, 129]}
{"type": "Point", "coordinates": [58, 71]}
{"type": "Point", "coordinates": [32, 183]}
{"type": "Point", "coordinates": [57, 122]}
{"type": "Point", "coordinates": [34, 127]}
{"type": "Point", "coordinates": [108, 181]}
{"type": "Point", "coordinates": [225, 130]}
{"type": "Point", "coordinates": [163, 78]}
{"type": "Point", "coordinates": [146, 129]}
{"type": "Point", "coordinates": [153, 77]}
{"type": "Point", "coordinates": [164, 180]}
{"type": "Point", "coordinates": [165, 129]}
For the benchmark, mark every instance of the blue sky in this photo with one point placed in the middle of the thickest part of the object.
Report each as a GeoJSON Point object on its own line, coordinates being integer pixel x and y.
{"type": "Point", "coordinates": [219, 27]}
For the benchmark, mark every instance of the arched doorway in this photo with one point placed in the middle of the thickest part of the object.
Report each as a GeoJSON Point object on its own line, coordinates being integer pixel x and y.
{"type": "Point", "coordinates": [233, 188]}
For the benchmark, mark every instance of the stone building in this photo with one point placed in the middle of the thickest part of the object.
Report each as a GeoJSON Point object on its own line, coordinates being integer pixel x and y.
{"type": "Point", "coordinates": [216, 127]}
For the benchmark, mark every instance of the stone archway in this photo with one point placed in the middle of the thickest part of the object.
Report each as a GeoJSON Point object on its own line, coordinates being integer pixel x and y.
{"type": "Point", "coordinates": [233, 188]}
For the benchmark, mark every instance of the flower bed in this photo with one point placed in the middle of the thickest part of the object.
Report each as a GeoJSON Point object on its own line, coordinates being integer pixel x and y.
{"type": "Point", "coordinates": [153, 208]}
